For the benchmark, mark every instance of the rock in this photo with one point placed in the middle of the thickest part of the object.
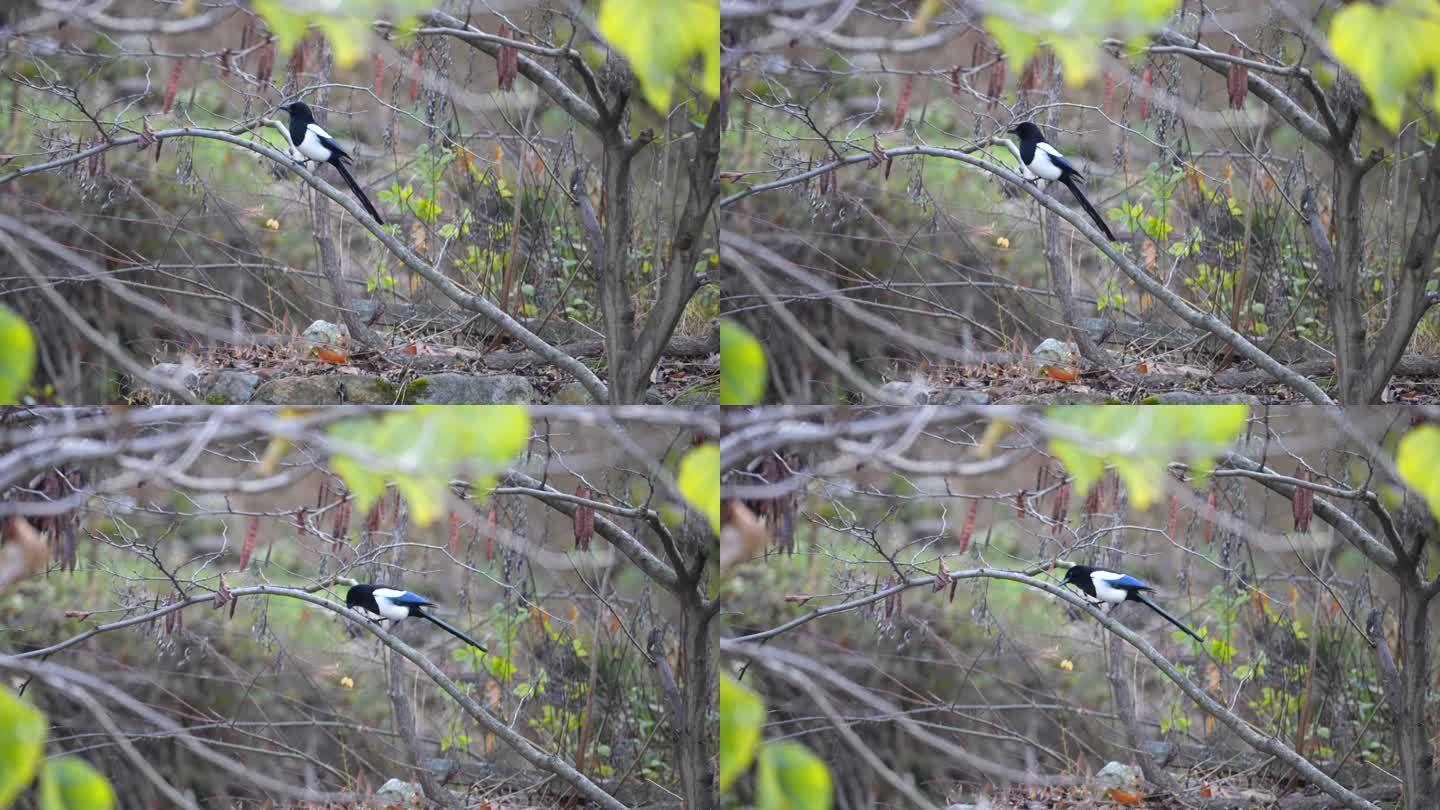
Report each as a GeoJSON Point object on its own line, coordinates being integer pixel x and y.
{"type": "Point", "coordinates": [1052, 352]}
{"type": "Point", "coordinates": [323, 333]}
{"type": "Point", "coordinates": [231, 387]}
{"type": "Point", "coordinates": [571, 393]}
{"type": "Point", "coordinates": [1191, 398]}
{"type": "Point", "coordinates": [959, 396]}
{"type": "Point", "coordinates": [450, 388]}
{"type": "Point", "coordinates": [366, 389]}
{"type": "Point", "coordinates": [298, 391]}
{"type": "Point", "coordinates": [1118, 774]}
{"type": "Point", "coordinates": [398, 793]}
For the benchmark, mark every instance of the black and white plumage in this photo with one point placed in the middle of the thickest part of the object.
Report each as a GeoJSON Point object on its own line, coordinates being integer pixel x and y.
{"type": "Point", "coordinates": [394, 603]}
{"type": "Point", "coordinates": [314, 143]}
{"type": "Point", "coordinates": [1109, 586]}
{"type": "Point", "coordinates": [1040, 159]}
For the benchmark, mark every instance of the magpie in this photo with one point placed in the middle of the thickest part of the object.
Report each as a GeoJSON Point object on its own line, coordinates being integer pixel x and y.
{"type": "Point", "coordinates": [393, 603]}
{"type": "Point", "coordinates": [1041, 160]}
{"type": "Point", "coordinates": [314, 143]}
{"type": "Point", "coordinates": [1108, 586]}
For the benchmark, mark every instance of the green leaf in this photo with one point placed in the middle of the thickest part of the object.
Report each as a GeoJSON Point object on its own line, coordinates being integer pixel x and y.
{"type": "Point", "coordinates": [660, 38]}
{"type": "Point", "coordinates": [1417, 457]}
{"type": "Point", "coordinates": [1409, 30]}
{"type": "Point", "coordinates": [1139, 441]}
{"type": "Point", "coordinates": [699, 481]}
{"type": "Point", "coordinates": [22, 742]}
{"type": "Point", "coordinates": [742, 713]}
{"type": "Point", "coordinates": [17, 356]}
{"type": "Point", "coordinates": [429, 446]}
{"type": "Point", "coordinates": [791, 777]}
{"type": "Point", "coordinates": [70, 783]}
{"type": "Point", "coordinates": [1073, 37]}
{"type": "Point", "coordinates": [743, 374]}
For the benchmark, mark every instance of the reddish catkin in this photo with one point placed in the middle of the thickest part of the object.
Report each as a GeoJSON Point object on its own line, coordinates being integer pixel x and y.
{"type": "Point", "coordinates": [1109, 91]}
{"type": "Point", "coordinates": [1211, 502]}
{"type": "Point", "coordinates": [1237, 81]}
{"type": "Point", "coordinates": [1302, 502]}
{"type": "Point", "coordinates": [507, 61]}
{"type": "Point", "coordinates": [415, 70]}
{"type": "Point", "coordinates": [1020, 505]}
{"type": "Point", "coordinates": [492, 523]}
{"type": "Point", "coordinates": [997, 82]}
{"type": "Point", "coordinates": [379, 74]}
{"type": "Point", "coordinates": [1062, 506]}
{"type": "Point", "coordinates": [454, 533]}
{"type": "Point", "coordinates": [170, 89]}
{"type": "Point", "coordinates": [300, 524]}
{"type": "Point", "coordinates": [252, 530]}
{"type": "Point", "coordinates": [1145, 92]}
{"type": "Point", "coordinates": [267, 64]}
{"type": "Point", "coordinates": [903, 105]}
{"type": "Point", "coordinates": [1174, 524]}
{"type": "Point", "coordinates": [967, 530]}
{"type": "Point", "coordinates": [297, 61]}
{"type": "Point", "coordinates": [584, 519]}
{"type": "Point", "coordinates": [955, 81]}
{"type": "Point", "coordinates": [225, 64]}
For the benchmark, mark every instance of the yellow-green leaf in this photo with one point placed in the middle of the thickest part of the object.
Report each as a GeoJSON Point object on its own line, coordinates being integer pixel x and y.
{"type": "Point", "coordinates": [17, 356]}
{"type": "Point", "coordinates": [70, 783]}
{"type": "Point", "coordinates": [660, 38]}
{"type": "Point", "coordinates": [699, 481]}
{"type": "Point", "coordinates": [742, 714]}
{"type": "Point", "coordinates": [1408, 30]}
{"type": "Point", "coordinates": [1417, 457]}
{"type": "Point", "coordinates": [791, 777]}
{"type": "Point", "coordinates": [743, 374]}
{"type": "Point", "coordinates": [22, 742]}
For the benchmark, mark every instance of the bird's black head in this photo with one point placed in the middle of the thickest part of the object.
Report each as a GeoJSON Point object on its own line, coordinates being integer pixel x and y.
{"type": "Point", "coordinates": [361, 596]}
{"type": "Point", "coordinates": [1028, 131]}
{"type": "Point", "coordinates": [1076, 574]}
{"type": "Point", "coordinates": [298, 109]}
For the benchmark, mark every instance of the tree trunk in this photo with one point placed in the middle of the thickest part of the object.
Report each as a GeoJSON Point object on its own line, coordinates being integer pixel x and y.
{"type": "Point", "coordinates": [627, 381]}
{"type": "Point", "coordinates": [1417, 768]}
{"type": "Point", "coordinates": [697, 741]}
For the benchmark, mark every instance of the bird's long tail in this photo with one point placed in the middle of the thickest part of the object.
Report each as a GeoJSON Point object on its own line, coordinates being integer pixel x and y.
{"type": "Point", "coordinates": [454, 631]}
{"type": "Point", "coordinates": [365, 201]}
{"type": "Point", "coordinates": [1141, 597]}
{"type": "Point", "coordinates": [1089, 209]}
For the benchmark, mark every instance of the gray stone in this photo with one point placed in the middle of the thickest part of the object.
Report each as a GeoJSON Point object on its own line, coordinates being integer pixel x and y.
{"type": "Point", "coordinates": [1055, 352]}
{"type": "Point", "coordinates": [1191, 398]}
{"type": "Point", "coordinates": [450, 388]}
{"type": "Point", "coordinates": [366, 389]}
{"type": "Point", "coordinates": [323, 333]}
{"type": "Point", "coordinates": [1118, 774]}
{"type": "Point", "coordinates": [231, 387]}
{"type": "Point", "coordinates": [398, 793]}
{"type": "Point", "coordinates": [571, 393]}
{"type": "Point", "coordinates": [298, 391]}
{"type": "Point", "coordinates": [959, 396]}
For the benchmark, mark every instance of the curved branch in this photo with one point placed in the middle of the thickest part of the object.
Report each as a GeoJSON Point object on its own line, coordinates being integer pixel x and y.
{"type": "Point", "coordinates": [1235, 723]}
{"type": "Point", "coordinates": [532, 754]}
{"type": "Point", "coordinates": [446, 25]}
{"type": "Point", "coordinates": [627, 543]}
{"type": "Point", "coordinates": [466, 300]}
{"type": "Point", "coordinates": [1178, 305]}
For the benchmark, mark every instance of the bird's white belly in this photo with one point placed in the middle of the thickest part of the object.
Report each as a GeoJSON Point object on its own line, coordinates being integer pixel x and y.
{"type": "Point", "coordinates": [392, 611]}
{"type": "Point", "coordinates": [1045, 169]}
{"type": "Point", "coordinates": [1109, 594]}
{"type": "Point", "coordinates": [314, 150]}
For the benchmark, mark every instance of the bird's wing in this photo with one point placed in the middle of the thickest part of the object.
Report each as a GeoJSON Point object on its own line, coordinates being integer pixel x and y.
{"type": "Point", "coordinates": [1118, 580]}
{"type": "Point", "coordinates": [327, 141]}
{"type": "Point", "coordinates": [1055, 157]}
{"type": "Point", "coordinates": [388, 593]}
{"type": "Point", "coordinates": [408, 599]}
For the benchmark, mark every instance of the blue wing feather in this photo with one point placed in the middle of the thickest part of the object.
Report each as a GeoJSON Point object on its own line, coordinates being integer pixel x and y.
{"type": "Point", "coordinates": [1127, 581]}
{"type": "Point", "coordinates": [409, 599]}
